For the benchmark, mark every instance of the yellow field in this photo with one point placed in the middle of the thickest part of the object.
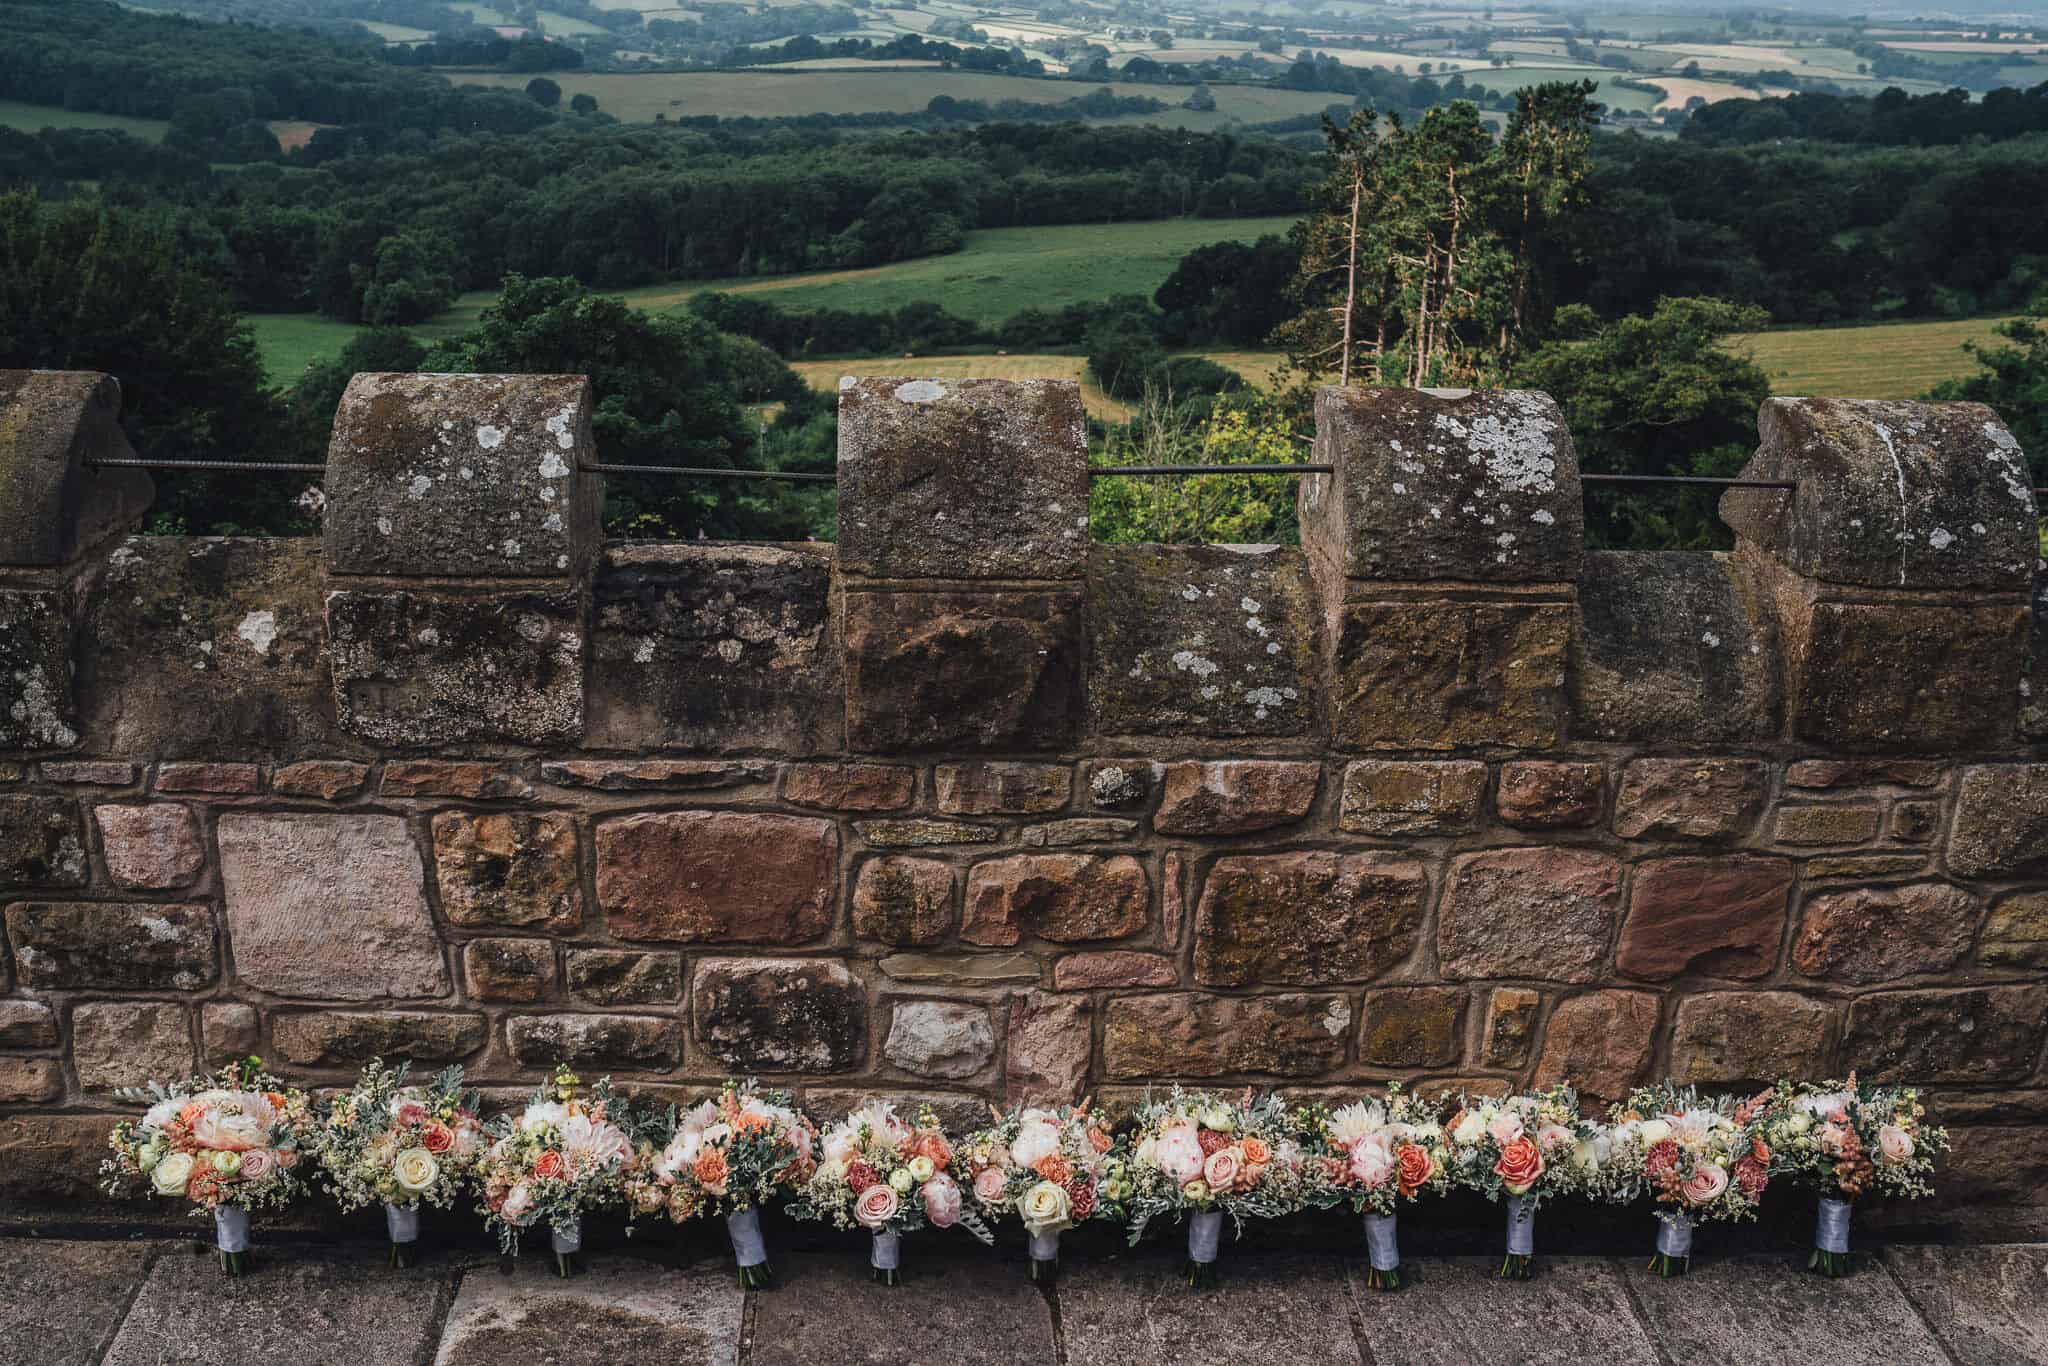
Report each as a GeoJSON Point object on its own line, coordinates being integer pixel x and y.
{"type": "Point", "coordinates": [1678, 89]}
{"type": "Point", "coordinates": [823, 375]}
{"type": "Point", "coordinates": [1891, 360]}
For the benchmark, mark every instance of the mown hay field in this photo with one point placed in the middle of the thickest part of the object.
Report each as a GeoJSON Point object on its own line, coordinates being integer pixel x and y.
{"type": "Point", "coordinates": [1888, 360]}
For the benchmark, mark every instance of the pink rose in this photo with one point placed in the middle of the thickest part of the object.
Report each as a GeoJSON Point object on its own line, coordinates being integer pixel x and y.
{"type": "Point", "coordinates": [1832, 1137]}
{"type": "Point", "coordinates": [876, 1206]}
{"type": "Point", "coordinates": [1179, 1154]}
{"type": "Point", "coordinates": [1221, 1169]}
{"type": "Point", "coordinates": [412, 1112]}
{"type": "Point", "coordinates": [1706, 1185]}
{"type": "Point", "coordinates": [258, 1163]}
{"type": "Point", "coordinates": [1506, 1127]}
{"type": "Point", "coordinates": [989, 1185]}
{"type": "Point", "coordinates": [1894, 1144]}
{"type": "Point", "coordinates": [942, 1201]}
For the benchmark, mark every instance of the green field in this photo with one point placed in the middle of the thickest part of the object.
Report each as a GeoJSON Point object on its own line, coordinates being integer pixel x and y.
{"type": "Point", "coordinates": [1887, 360]}
{"type": "Point", "coordinates": [30, 118]}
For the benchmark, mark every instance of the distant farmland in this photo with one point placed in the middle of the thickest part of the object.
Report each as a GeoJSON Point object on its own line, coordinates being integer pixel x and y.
{"type": "Point", "coordinates": [1888, 360]}
{"type": "Point", "coordinates": [30, 118]}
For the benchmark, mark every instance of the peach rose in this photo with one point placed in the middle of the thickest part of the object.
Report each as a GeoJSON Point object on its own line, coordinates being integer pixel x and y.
{"type": "Point", "coordinates": [1894, 1144]}
{"type": "Point", "coordinates": [1222, 1168]}
{"type": "Point", "coordinates": [1256, 1151]}
{"type": "Point", "coordinates": [549, 1166]}
{"type": "Point", "coordinates": [438, 1138]}
{"type": "Point", "coordinates": [1706, 1185]}
{"type": "Point", "coordinates": [1520, 1165]}
{"type": "Point", "coordinates": [989, 1184]}
{"type": "Point", "coordinates": [258, 1163]}
{"type": "Point", "coordinates": [711, 1171]}
{"type": "Point", "coordinates": [1416, 1167]}
{"type": "Point", "coordinates": [876, 1206]}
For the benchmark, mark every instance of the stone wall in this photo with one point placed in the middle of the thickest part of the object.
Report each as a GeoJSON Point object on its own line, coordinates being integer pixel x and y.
{"type": "Point", "coordinates": [975, 808]}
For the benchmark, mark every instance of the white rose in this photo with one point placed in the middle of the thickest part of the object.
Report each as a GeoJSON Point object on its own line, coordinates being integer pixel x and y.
{"type": "Point", "coordinates": [1045, 1208]}
{"type": "Point", "coordinates": [415, 1170]}
{"type": "Point", "coordinates": [172, 1173]}
{"type": "Point", "coordinates": [1653, 1132]}
{"type": "Point", "coordinates": [1799, 1123]}
{"type": "Point", "coordinates": [1471, 1128]}
{"type": "Point", "coordinates": [1219, 1118]}
{"type": "Point", "coordinates": [1586, 1157]}
{"type": "Point", "coordinates": [901, 1180]}
{"type": "Point", "coordinates": [921, 1168]}
{"type": "Point", "coordinates": [1033, 1144]}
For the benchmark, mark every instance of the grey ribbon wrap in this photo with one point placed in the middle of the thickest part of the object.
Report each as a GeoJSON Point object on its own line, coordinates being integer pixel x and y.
{"type": "Point", "coordinates": [1205, 1231]}
{"type": "Point", "coordinates": [1045, 1247]}
{"type": "Point", "coordinates": [231, 1228]}
{"type": "Point", "coordinates": [1521, 1228]}
{"type": "Point", "coordinates": [567, 1237]}
{"type": "Point", "coordinates": [1382, 1243]}
{"type": "Point", "coordinates": [887, 1251]}
{"type": "Point", "coordinates": [1831, 1229]}
{"type": "Point", "coordinates": [1674, 1235]}
{"type": "Point", "coordinates": [743, 1226]}
{"type": "Point", "coordinates": [402, 1222]}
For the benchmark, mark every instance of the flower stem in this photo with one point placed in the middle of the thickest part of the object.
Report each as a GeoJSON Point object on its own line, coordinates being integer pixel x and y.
{"type": "Point", "coordinates": [1044, 1272]}
{"type": "Point", "coordinates": [568, 1264]}
{"type": "Point", "coordinates": [404, 1255]}
{"type": "Point", "coordinates": [234, 1263]}
{"type": "Point", "coordinates": [759, 1276]}
{"type": "Point", "coordinates": [1200, 1275]}
{"type": "Point", "coordinates": [1389, 1279]}
{"type": "Point", "coordinates": [1517, 1267]}
{"type": "Point", "coordinates": [886, 1275]}
{"type": "Point", "coordinates": [1830, 1264]}
{"type": "Point", "coordinates": [1664, 1264]}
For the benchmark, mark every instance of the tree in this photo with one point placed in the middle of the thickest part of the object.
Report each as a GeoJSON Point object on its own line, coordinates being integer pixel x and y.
{"type": "Point", "coordinates": [313, 397]}
{"type": "Point", "coordinates": [1547, 148]}
{"type": "Point", "coordinates": [2013, 380]}
{"type": "Point", "coordinates": [582, 102]}
{"type": "Point", "coordinates": [544, 92]}
{"type": "Point", "coordinates": [1200, 99]}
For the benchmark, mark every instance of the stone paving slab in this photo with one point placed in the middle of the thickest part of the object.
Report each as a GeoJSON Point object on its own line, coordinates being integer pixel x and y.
{"type": "Point", "coordinates": [61, 1302]}
{"type": "Point", "coordinates": [1290, 1309]}
{"type": "Point", "coordinates": [1735, 1311]}
{"type": "Point", "coordinates": [957, 1305]}
{"type": "Point", "coordinates": [1455, 1312]}
{"type": "Point", "coordinates": [1986, 1304]}
{"type": "Point", "coordinates": [622, 1310]}
{"type": "Point", "coordinates": [298, 1306]}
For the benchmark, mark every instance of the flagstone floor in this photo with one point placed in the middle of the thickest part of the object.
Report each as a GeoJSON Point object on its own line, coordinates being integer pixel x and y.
{"type": "Point", "coordinates": [148, 1302]}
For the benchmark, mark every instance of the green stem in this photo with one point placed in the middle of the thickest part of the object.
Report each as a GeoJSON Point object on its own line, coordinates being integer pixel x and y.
{"type": "Point", "coordinates": [1831, 1264]}
{"type": "Point", "coordinates": [886, 1275]}
{"type": "Point", "coordinates": [1044, 1272]}
{"type": "Point", "coordinates": [1517, 1267]}
{"type": "Point", "coordinates": [759, 1276]}
{"type": "Point", "coordinates": [1200, 1275]}
{"type": "Point", "coordinates": [1389, 1279]}
{"type": "Point", "coordinates": [1663, 1264]}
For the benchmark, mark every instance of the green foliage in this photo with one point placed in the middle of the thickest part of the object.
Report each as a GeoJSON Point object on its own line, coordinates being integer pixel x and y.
{"type": "Point", "coordinates": [1242, 428]}
{"type": "Point", "coordinates": [2013, 380]}
{"type": "Point", "coordinates": [412, 278]}
{"type": "Point", "coordinates": [312, 399]}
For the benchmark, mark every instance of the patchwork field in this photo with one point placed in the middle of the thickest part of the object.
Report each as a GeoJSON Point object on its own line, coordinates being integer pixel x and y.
{"type": "Point", "coordinates": [1889, 360]}
{"type": "Point", "coordinates": [30, 118]}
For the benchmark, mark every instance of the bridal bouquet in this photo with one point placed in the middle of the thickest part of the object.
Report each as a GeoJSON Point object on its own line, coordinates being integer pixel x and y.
{"type": "Point", "coordinates": [890, 1177]}
{"type": "Point", "coordinates": [400, 1144]}
{"type": "Point", "coordinates": [1376, 1154]}
{"type": "Point", "coordinates": [1199, 1156]}
{"type": "Point", "coordinates": [1525, 1150]}
{"type": "Point", "coordinates": [727, 1157]}
{"type": "Point", "coordinates": [562, 1157]}
{"type": "Point", "coordinates": [226, 1144]}
{"type": "Point", "coordinates": [1052, 1169]}
{"type": "Point", "coordinates": [1698, 1158]}
{"type": "Point", "coordinates": [1844, 1139]}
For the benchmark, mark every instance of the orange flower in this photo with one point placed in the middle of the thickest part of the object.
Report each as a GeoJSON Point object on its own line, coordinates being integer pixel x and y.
{"type": "Point", "coordinates": [1256, 1152]}
{"type": "Point", "coordinates": [1415, 1167]}
{"type": "Point", "coordinates": [1248, 1175]}
{"type": "Point", "coordinates": [931, 1143]}
{"type": "Point", "coordinates": [1099, 1140]}
{"type": "Point", "coordinates": [549, 1166]}
{"type": "Point", "coordinates": [1521, 1162]}
{"type": "Point", "coordinates": [711, 1170]}
{"type": "Point", "coordinates": [1054, 1168]}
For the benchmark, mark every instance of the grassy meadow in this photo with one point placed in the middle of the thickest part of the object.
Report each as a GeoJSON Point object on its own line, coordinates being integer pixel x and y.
{"type": "Point", "coordinates": [1883, 360]}
{"type": "Point", "coordinates": [30, 118]}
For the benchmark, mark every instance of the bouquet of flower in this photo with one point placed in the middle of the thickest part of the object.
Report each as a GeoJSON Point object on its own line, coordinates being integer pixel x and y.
{"type": "Point", "coordinates": [227, 1143]}
{"type": "Point", "coordinates": [1525, 1150]}
{"type": "Point", "coordinates": [1199, 1156]}
{"type": "Point", "coordinates": [402, 1145]}
{"type": "Point", "coordinates": [727, 1156]}
{"type": "Point", "coordinates": [889, 1177]}
{"type": "Point", "coordinates": [1373, 1155]}
{"type": "Point", "coordinates": [1697, 1157]}
{"type": "Point", "coordinates": [1843, 1138]}
{"type": "Point", "coordinates": [560, 1158]}
{"type": "Point", "coordinates": [1053, 1169]}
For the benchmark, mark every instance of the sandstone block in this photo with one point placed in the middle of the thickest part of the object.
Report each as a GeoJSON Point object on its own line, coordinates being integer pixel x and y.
{"type": "Point", "coordinates": [850, 787]}
{"type": "Point", "coordinates": [1120, 785]}
{"type": "Point", "coordinates": [508, 870]}
{"type": "Point", "coordinates": [1413, 1027]}
{"type": "Point", "coordinates": [612, 978]}
{"type": "Point", "coordinates": [662, 775]}
{"type": "Point", "coordinates": [41, 843]}
{"type": "Point", "coordinates": [1834, 773]}
{"type": "Point", "coordinates": [1544, 913]}
{"type": "Point", "coordinates": [86, 945]}
{"type": "Point", "coordinates": [1752, 1037]}
{"type": "Point", "coordinates": [1537, 794]}
{"type": "Point", "coordinates": [52, 1157]}
{"type": "Point", "coordinates": [722, 877]}
{"type": "Point", "coordinates": [1113, 968]}
{"type": "Point", "coordinates": [130, 1043]}
{"type": "Point", "coordinates": [151, 848]}
{"type": "Point", "coordinates": [1600, 1042]}
{"type": "Point", "coordinates": [88, 772]}
{"type": "Point", "coordinates": [962, 671]}
{"type": "Point", "coordinates": [1201, 640]}
{"type": "Point", "coordinates": [228, 1030]}
{"type": "Point", "coordinates": [968, 969]}
{"type": "Point", "coordinates": [916, 834]}
{"type": "Point", "coordinates": [2001, 822]}
{"type": "Point", "coordinates": [1694, 799]}
{"type": "Point", "coordinates": [1916, 822]}
{"type": "Point", "coordinates": [1235, 797]}
{"type": "Point", "coordinates": [1193, 1035]}
{"type": "Point", "coordinates": [328, 779]}
{"type": "Point", "coordinates": [27, 1024]}
{"type": "Point", "coordinates": [637, 1043]}
{"type": "Point", "coordinates": [54, 504]}
{"type": "Point", "coordinates": [947, 1039]}
{"type": "Point", "coordinates": [28, 1081]}
{"type": "Point", "coordinates": [1307, 918]}
{"type": "Point", "coordinates": [1987, 1034]}
{"type": "Point", "coordinates": [962, 479]}
{"type": "Point", "coordinates": [1078, 830]}
{"type": "Point", "coordinates": [520, 970]}
{"type": "Point", "coordinates": [330, 907]}
{"type": "Point", "coordinates": [37, 708]}
{"type": "Point", "coordinates": [442, 778]}
{"type": "Point", "coordinates": [1722, 917]}
{"type": "Point", "coordinates": [1045, 1061]}
{"type": "Point", "coordinates": [1510, 1026]}
{"type": "Point", "coordinates": [1402, 797]}
{"type": "Point", "coordinates": [780, 1014]}
{"type": "Point", "coordinates": [981, 789]}
{"type": "Point", "coordinates": [227, 780]}
{"type": "Point", "coordinates": [1864, 866]}
{"type": "Point", "coordinates": [1448, 675]}
{"type": "Point", "coordinates": [1065, 898]}
{"type": "Point", "coordinates": [1878, 934]}
{"type": "Point", "coordinates": [903, 901]}
{"type": "Point", "coordinates": [349, 1038]}
{"type": "Point", "coordinates": [2016, 934]}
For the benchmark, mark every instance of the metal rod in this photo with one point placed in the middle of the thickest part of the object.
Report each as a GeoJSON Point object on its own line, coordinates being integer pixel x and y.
{"type": "Point", "coordinates": [710, 473]}
{"type": "Point", "coordinates": [1697, 479]}
{"type": "Point", "coordinates": [1113, 471]}
{"type": "Point", "coordinates": [280, 466]}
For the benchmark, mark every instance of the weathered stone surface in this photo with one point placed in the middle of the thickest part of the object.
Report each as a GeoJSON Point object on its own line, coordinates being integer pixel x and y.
{"type": "Point", "coordinates": [1537, 794]}
{"type": "Point", "coordinates": [962, 671]}
{"type": "Point", "coordinates": [970, 969]}
{"type": "Point", "coordinates": [915, 834]}
{"type": "Point", "coordinates": [780, 1014]}
{"type": "Point", "coordinates": [715, 647]}
{"type": "Point", "coordinates": [1448, 675]}
{"type": "Point", "coordinates": [2016, 933]}
{"type": "Point", "coordinates": [903, 901]}
{"type": "Point", "coordinates": [1292, 1308]}
{"type": "Point", "coordinates": [1234, 796]}
{"type": "Point", "coordinates": [949, 1039]}
{"type": "Point", "coordinates": [2001, 822]}
{"type": "Point", "coordinates": [1444, 484]}
{"type": "Point", "coordinates": [1307, 918]}
{"type": "Point", "coordinates": [1833, 773]}
{"type": "Point", "coordinates": [1916, 822]}
{"type": "Point", "coordinates": [29, 1081]}
{"type": "Point", "coordinates": [1121, 785]}
{"type": "Point", "coordinates": [68, 1298]}
{"type": "Point", "coordinates": [644, 775]}
{"type": "Point", "coordinates": [1113, 968]}
{"type": "Point", "coordinates": [962, 479]}
{"type": "Point", "coordinates": [1400, 797]}
{"type": "Point", "coordinates": [112, 944]}
{"type": "Point", "coordinates": [722, 877]}
{"type": "Point", "coordinates": [1047, 1048]}
{"type": "Point", "coordinates": [422, 669]}
{"type": "Point", "coordinates": [228, 1030]}
{"type": "Point", "coordinates": [1413, 1027]}
{"type": "Point", "coordinates": [1752, 1036]}
{"type": "Point", "coordinates": [1672, 647]}
{"type": "Point", "coordinates": [1983, 1303]}
{"type": "Point", "coordinates": [329, 907]}
{"type": "Point", "coordinates": [624, 1309]}
{"type": "Point", "coordinates": [130, 1043]}
{"type": "Point", "coordinates": [980, 789]}
{"type": "Point", "coordinates": [953, 1307]}
{"type": "Point", "coordinates": [37, 708]}
{"type": "Point", "coordinates": [1599, 1042]}
{"type": "Point", "coordinates": [1995, 1165]}
{"type": "Point", "coordinates": [1749, 1301]}
{"type": "Point", "coordinates": [615, 978]}
{"type": "Point", "coordinates": [88, 772]}
{"type": "Point", "coordinates": [341, 1038]}
{"type": "Point", "coordinates": [1575, 1312]}
{"type": "Point", "coordinates": [1201, 640]}
{"type": "Point", "coordinates": [228, 780]}
{"type": "Point", "coordinates": [1065, 898]}
{"type": "Point", "coordinates": [1510, 1026]}
{"type": "Point", "coordinates": [642, 1043]}
{"type": "Point", "coordinates": [41, 843]}
{"type": "Point", "coordinates": [462, 476]}
{"type": "Point", "coordinates": [1879, 934]}
{"type": "Point", "coordinates": [508, 869]}
{"type": "Point", "coordinates": [850, 787]}
{"type": "Point", "coordinates": [55, 502]}
{"type": "Point", "coordinates": [1986, 1034]}
{"type": "Point", "coordinates": [1864, 866]}
{"type": "Point", "coordinates": [441, 778]}
{"type": "Point", "coordinates": [1695, 799]}
{"type": "Point", "coordinates": [1078, 830]}
{"type": "Point", "coordinates": [27, 1024]}
{"type": "Point", "coordinates": [1184, 1034]}
{"type": "Point", "coordinates": [151, 848]}
{"type": "Point", "coordinates": [1544, 913]}
{"type": "Point", "coordinates": [327, 779]}
{"type": "Point", "coordinates": [1891, 494]}
{"type": "Point", "coordinates": [53, 1158]}
{"type": "Point", "coordinates": [241, 625]}
{"type": "Point", "coordinates": [1722, 917]}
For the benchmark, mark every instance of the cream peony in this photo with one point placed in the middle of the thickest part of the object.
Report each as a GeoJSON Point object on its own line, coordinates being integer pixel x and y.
{"type": "Point", "coordinates": [1046, 1208]}
{"type": "Point", "coordinates": [1652, 1132]}
{"type": "Point", "coordinates": [941, 1201]}
{"type": "Point", "coordinates": [1033, 1144]}
{"type": "Point", "coordinates": [1178, 1153]}
{"type": "Point", "coordinates": [172, 1173]}
{"type": "Point", "coordinates": [1469, 1129]}
{"type": "Point", "coordinates": [1371, 1163]}
{"type": "Point", "coordinates": [415, 1170]}
{"type": "Point", "coordinates": [518, 1206]}
{"type": "Point", "coordinates": [1505, 1128]}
